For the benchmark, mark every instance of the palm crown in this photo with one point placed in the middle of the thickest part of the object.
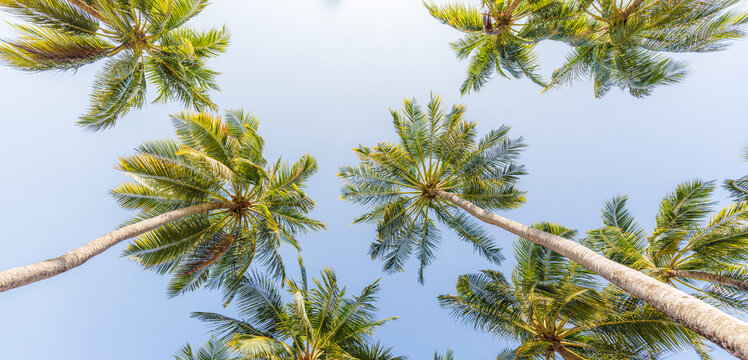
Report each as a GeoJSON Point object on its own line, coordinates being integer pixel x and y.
{"type": "Point", "coordinates": [318, 323]}
{"type": "Point", "coordinates": [683, 250]}
{"type": "Point", "coordinates": [616, 45]}
{"type": "Point", "coordinates": [142, 40]}
{"type": "Point", "coordinates": [215, 160]}
{"type": "Point", "coordinates": [500, 35]}
{"type": "Point", "coordinates": [436, 150]}
{"type": "Point", "coordinates": [553, 306]}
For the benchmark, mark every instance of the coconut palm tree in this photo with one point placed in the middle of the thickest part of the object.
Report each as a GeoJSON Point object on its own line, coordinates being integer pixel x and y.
{"type": "Point", "coordinates": [437, 149]}
{"type": "Point", "coordinates": [626, 42]}
{"type": "Point", "coordinates": [439, 169]}
{"type": "Point", "coordinates": [708, 257]}
{"type": "Point", "coordinates": [498, 37]}
{"type": "Point", "coordinates": [142, 41]}
{"type": "Point", "coordinates": [209, 205]}
{"type": "Point", "coordinates": [214, 349]}
{"type": "Point", "coordinates": [554, 307]}
{"type": "Point", "coordinates": [318, 323]}
{"type": "Point", "coordinates": [738, 188]}
{"type": "Point", "coordinates": [616, 43]}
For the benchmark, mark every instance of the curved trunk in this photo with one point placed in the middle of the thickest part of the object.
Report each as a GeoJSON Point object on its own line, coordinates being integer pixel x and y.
{"type": "Point", "coordinates": [20, 276]}
{"type": "Point", "coordinates": [565, 353]}
{"type": "Point", "coordinates": [705, 276]}
{"type": "Point", "coordinates": [88, 9]}
{"type": "Point", "coordinates": [726, 331]}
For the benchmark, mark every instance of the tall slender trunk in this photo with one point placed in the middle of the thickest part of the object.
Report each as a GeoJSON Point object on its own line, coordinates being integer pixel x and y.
{"type": "Point", "coordinates": [564, 352]}
{"type": "Point", "coordinates": [631, 8]}
{"type": "Point", "coordinates": [700, 275]}
{"type": "Point", "coordinates": [80, 4]}
{"type": "Point", "coordinates": [20, 276]}
{"type": "Point", "coordinates": [727, 332]}
{"type": "Point", "coordinates": [507, 15]}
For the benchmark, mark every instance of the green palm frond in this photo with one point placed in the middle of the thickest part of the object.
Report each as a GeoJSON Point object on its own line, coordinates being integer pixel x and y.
{"type": "Point", "coordinates": [215, 160]}
{"type": "Point", "coordinates": [318, 322]}
{"type": "Point", "coordinates": [552, 304]}
{"type": "Point", "coordinates": [437, 149]}
{"type": "Point", "coordinates": [143, 42]}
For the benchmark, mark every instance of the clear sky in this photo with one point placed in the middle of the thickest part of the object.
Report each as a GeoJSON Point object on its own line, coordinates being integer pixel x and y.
{"type": "Point", "coordinates": [321, 76]}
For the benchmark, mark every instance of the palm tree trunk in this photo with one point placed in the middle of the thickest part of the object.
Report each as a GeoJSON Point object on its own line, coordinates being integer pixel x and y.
{"type": "Point", "coordinates": [507, 15]}
{"type": "Point", "coordinates": [565, 353]}
{"type": "Point", "coordinates": [726, 331]}
{"type": "Point", "coordinates": [705, 276]}
{"type": "Point", "coordinates": [20, 276]}
{"type": "Point", "coordinates": [631, 8]}
{"type": "Point", "coordinates": [80, 4]}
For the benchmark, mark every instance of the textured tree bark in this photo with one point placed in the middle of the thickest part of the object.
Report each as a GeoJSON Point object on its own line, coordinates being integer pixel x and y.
{"type": "Point", "coordinates": [80, 4]}
{"type": "Point", "coordinates": [631, 8]}
{"type": "Point", "coordinates": [20, 276]}
{"type": "Point", "coordinates": [700, 275]}
{"type": "Point", "coordinates": [726, 331]}
{"type": "Point", "coordinates": [507, 15]}
{"type": "Point", "coordinates": [565, 353]}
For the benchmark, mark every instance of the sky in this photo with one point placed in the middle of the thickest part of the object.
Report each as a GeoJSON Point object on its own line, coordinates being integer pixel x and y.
{"type": "Point", "coordinates": [321, 76]}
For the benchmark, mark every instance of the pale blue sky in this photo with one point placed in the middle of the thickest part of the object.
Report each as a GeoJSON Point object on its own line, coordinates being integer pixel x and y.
{"type": "Point", "coordinates": [321, 77]}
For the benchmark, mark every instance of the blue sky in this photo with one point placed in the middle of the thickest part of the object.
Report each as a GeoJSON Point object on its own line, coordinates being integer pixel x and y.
{"type": "Point", "coordinates": [321, 76]}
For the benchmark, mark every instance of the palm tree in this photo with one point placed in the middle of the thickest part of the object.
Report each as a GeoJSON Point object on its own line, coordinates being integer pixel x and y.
{"type": "Point", "coordinates": [683, 250]}
{"type": "Point", "coordinates": [614, 44]}
{"type": "Point", "coordinates": [143, 41]}
{"type": "Point", "coordinates": [437, 149]}
{"type": "Point", "coordinates": [318, 323]}
{"type": "Point", "coordinates": [209, 204]}
{"type": "Point", "coordinates": [626, 45]}
{"type": "Point", "coordinates": [501, 35]}
{"type": "Point", "coordinates": [440, 167]}
{"type": "Point", "coordinates": [214, 349]}
{"type": "Point", "coordinates": [553, 306]}
{"type": "Point", "coordinates": [738, 188]}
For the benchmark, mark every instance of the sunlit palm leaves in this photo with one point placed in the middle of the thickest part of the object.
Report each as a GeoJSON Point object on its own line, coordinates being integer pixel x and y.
{"type": "Point", "coordinates": [625, 45]}
{"type": "Point", "coordinates": [554, 307]}
{"type": "Point", "coordinates": [215, 160]}
{"type": "Point", "coordinates": [707, 258]}
{"type": "Point", "coordinates": [614, 43]}
{"type": "Point", "coordinates": [319, 323]}
{"type": "Point", "coordinates": [143, 41]}
{"type": "Point", "coordinates": [214, 349]}
{"type": "Point", "coordinates": [500, 36]}
{"type": "Point", "coordinates": [738, 188]}
{"type": "Point", "coordinates": [436, 150]}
